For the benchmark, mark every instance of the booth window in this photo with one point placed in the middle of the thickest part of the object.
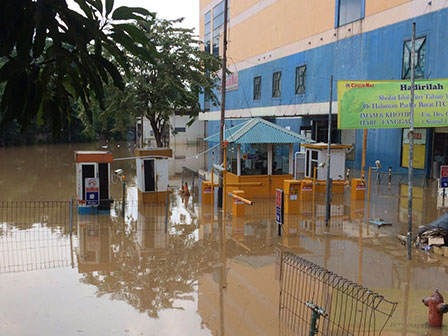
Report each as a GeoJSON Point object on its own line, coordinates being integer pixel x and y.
{"type": "Point", "coordinates": [280, 159]}
{"type": "Point", "coordinates": [254, 159]}
{"type": "Point", "coordinates": [232, 158]}
{"type": "Point", "coordinates": [420, 58]}
{"type": "Point", "coordinates": [257, 88]}
{"type": "Point", "coordinates": [312, 160]}
{"type": "Point", "coordinates": [300, 79]}
{"type": "Point", "coordinates": [348, 11]}
{"type": "Point", "coordinates": [276, 84]}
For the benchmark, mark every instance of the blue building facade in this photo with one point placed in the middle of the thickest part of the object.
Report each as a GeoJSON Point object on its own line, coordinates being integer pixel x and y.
{"type": "Point", "coordinates": [379, 54]}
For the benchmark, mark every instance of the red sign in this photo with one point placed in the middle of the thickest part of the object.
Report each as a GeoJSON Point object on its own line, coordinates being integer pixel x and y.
{"type": "Point", "coordinates": [279, 206]}
{"type": "Point", "coordinates": [444, 171]}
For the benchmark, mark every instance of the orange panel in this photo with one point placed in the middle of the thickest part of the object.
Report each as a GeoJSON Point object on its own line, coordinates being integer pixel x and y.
{"type": "Point", "coordinates": [85, 157]}
{"type": "Point", "coordinates": [167, 152]}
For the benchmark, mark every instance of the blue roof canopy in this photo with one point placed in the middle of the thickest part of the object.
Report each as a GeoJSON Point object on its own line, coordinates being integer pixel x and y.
{"type": "Point", "coordinates": [259, 131]}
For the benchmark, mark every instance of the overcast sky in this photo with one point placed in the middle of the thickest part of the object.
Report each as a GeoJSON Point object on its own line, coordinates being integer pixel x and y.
{"type": "Point", "coordinates": [167, 9]}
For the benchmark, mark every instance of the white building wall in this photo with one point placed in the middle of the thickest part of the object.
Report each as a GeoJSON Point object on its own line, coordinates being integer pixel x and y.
{"type": "Point", "coordinates": [185, 134]}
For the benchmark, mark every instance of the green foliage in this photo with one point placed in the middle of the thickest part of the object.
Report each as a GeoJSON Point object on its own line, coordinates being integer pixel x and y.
{"type": "Point", "coordinates": [173, 81]}
{"type": "Point", "coordinates": [115, 118]}
{"type": "Point", "coordinates": [55, 55]}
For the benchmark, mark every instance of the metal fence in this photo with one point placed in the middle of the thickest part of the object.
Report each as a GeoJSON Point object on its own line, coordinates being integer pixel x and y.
{"type": "Point", "coordinates": [37, 235]}
{"type": "Point", "coordinates": [34, 235]}
{"type": "Point", "coordinates": [347, 308]}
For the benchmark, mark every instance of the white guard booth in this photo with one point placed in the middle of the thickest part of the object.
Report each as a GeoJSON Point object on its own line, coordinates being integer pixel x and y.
{"type": "Point", "coordinates": [152, 174]}
{"type": "Point", "coordinates": [93, 165]}
{"type": "Point", "coordinates": [316, 156]}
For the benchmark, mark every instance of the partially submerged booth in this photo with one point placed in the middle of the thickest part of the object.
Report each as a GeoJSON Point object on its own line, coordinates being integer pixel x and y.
{"type": "Point", "coordinates": [152, 173]}
{"type": "Point", "coordinates": [93, 181]}
{"type": "Point", "coordinates": [259, 151]}
{"type": "Point", "coordinates": [316, 159]}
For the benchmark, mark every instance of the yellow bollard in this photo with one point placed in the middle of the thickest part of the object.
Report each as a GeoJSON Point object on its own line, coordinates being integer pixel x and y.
{"type": "Point", "coordinates": [238, 205]}
{"type": "Point", "coordinates": [358, 189]}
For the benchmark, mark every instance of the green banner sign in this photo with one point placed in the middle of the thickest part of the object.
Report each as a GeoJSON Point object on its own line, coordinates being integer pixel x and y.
{"type": "Point", "coordinates": [386, 104]}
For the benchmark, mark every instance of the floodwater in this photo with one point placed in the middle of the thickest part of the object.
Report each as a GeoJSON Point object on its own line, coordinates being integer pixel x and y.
{"type": "Point", "coordinates": [180, 272]}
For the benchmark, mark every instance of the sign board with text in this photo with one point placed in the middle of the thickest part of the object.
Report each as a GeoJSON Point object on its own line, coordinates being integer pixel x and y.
{"type": "Point", "coordinates": [444, 177]}
{"type": "Point", "coordinates": [92, 191]}
{"type": "Point", "coordinates": [386, 104]}
{"type": "Point", "coordinates": [279, 206]}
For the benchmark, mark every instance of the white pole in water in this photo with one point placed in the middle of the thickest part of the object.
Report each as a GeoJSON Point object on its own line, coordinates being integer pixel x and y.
{"type": "Point", "coordinates": [329, 182]}
{"type": "Point", "coordinates": [411, 144]}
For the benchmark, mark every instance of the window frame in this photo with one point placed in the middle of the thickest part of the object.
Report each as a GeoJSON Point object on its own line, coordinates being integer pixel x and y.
{"type": "Point", "coordinates": [337, 16]}
{"type": "Point", "coordinates": [407, 45]}
{"type": "Point", "coordinates": [257, 93]}
{"type": "Point", "coordinates": [276, 89]}
{"type": "Point", "coordinates": [300, 88]}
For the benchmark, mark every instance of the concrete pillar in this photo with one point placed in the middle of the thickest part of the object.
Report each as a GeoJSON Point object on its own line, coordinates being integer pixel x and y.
{"type": "Point", "coordinates": [269, 159]}
{"type": "Point", "coordinates": [238, 159]}
{"type": "Point", "coordinates": [291, 159]}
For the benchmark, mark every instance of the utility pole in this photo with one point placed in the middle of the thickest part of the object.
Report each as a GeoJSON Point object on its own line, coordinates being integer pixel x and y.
{"type": "Point", "coordinates": [329, 182]}
{"type": "Point", "coordinates": [223, 103]}
{"type": "Point", "coordinates": [411, 144]}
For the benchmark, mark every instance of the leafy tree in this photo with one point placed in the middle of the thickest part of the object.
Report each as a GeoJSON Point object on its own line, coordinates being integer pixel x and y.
{"type": "Point", "coordinates": [56, 55]}
{"type": "Point", "coordinates": [173, 81]}
{"type": "Point", "coordinates": [117, 115]}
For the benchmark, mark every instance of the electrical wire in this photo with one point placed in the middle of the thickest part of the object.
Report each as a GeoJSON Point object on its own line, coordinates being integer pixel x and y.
{"type": "Point", "coordinates": [196, 156]}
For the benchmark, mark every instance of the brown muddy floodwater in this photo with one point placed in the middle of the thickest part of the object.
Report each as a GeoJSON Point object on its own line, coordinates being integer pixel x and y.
{"type": "Point", "coordinates": [178, 272]}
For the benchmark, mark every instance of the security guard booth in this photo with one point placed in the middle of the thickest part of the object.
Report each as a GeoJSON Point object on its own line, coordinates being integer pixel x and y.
{"type": "Point", "coordinates": [316, 159]}
{"type": "Point", "coordinates": [152, 174]}
{"type": "Point", "coordinates": [259, 156]}
{"type": "Point", "coordinates": [93, 164]}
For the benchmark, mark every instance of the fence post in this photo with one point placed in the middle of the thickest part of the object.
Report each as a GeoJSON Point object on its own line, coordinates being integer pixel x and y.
{"type": "Point", "coordinates": [71, 216]}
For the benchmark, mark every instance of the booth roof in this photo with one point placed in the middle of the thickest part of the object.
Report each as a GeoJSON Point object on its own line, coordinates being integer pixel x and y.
{"type": "Point", "coordinates": [259, 131]}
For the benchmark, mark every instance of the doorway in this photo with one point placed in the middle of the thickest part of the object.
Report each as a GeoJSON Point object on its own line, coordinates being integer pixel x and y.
{"type": "Point", "coordinates": [440, 151]}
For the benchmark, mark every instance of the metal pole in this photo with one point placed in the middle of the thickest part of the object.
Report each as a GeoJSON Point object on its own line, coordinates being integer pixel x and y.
{"type": "Point", "coordinates": [364, 150]}
{"type": "Point", "coordinates": [368, 186]}
{"type": "Point", "coordinates": [223, 100]}
{"type": "Point", "coordinates": [224, 180]}
{"type": "Point", "coordinates": [328, 186]}
{"type": "Point", "coordinates": [314, 317]}
{"type": "Point", "coordinates": [411, 144]}
{"type": "Point", "coordinates": [166, 212]}
{"type": "Point", "coordinates": [71, 216]}
{"type": "Point", "coordinates": [123, 203]}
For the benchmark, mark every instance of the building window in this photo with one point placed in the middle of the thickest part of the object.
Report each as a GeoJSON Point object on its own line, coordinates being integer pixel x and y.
{"type": "Point", "coordinates": [420, 58]}
{"type": "Point", "coordinates": [218, 22]}
{"type": "Point", "coordinates": [276, 84]}
{"type": "Point", "coordinates": [257, 88]}
{"type": "Point", "coordinates": [300, 79]}
{"type": "Point", "coordinates": [179, 130]}
{"type": "Point", "coordinates": [207, 30]}
{"type": "Point", "coordinates": [349, 11]}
